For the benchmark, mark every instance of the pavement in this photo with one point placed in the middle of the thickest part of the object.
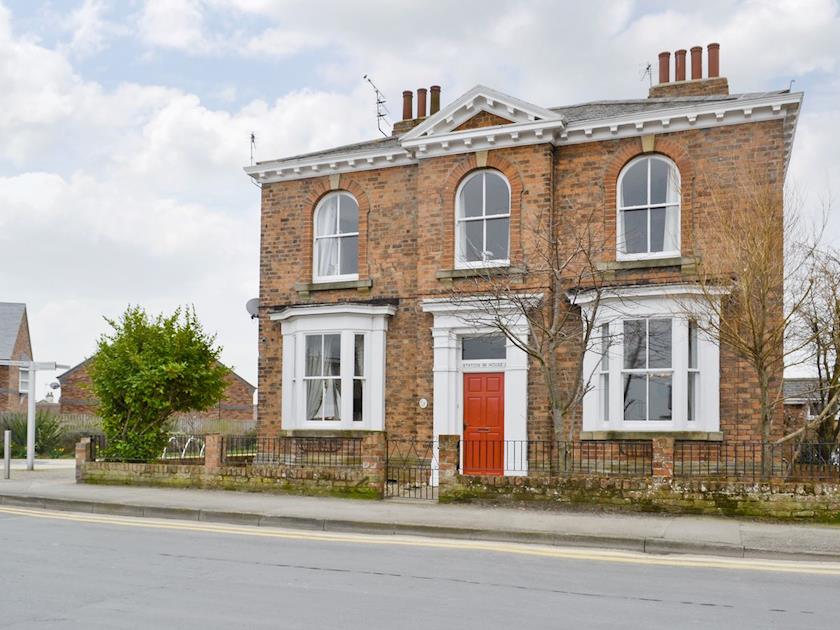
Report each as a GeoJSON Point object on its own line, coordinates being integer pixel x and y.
{"type": "Point", "coordinates": [52, 486]}
{"type": "Point", "coordinates": [88, 571]}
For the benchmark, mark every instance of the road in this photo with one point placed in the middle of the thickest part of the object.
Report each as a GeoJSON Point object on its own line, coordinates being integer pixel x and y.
{"type": "Point", "coordinates": [63, 570]}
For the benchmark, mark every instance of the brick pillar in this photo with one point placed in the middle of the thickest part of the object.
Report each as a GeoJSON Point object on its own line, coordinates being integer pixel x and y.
{"type": "Point", "coordinates": [663, 458]}
{"type": "Point", "coordinates": [448, 457]}
{"type": "Point", "coordinates": [213, 452]}
{"type": "Point", "coordinates": [374, 457]}
{"type": "Point", "coordinates": [83, 456]}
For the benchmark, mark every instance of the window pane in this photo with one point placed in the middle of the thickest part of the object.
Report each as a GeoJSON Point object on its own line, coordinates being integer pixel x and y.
{"type": "Point", "coordinates": [358, 386]}
{"type": "Point", "coordinates": [314, 399]}
{"type": "Point", "coordinates": [657, 229]}
{"type": "Point", "coordinates": [487, 347]}
{"type": "Point", "coordinates": [659, 341]}
{"type": "Point", "coordinates": [349, 254]}
{"type": "Point", "coordinates": [326, 256]}
{"type": "Point", "coordinates": [605, 347]}
{"type": "Point", "coordinates": [635, 397]}
{"type": "Point", "coordinates": [635, 344]}
{"type": "Point", "coordinates": [472, 196]}
{"type": "Point", "coordinates": [692, 391]}
{"type": "Point", "coordinates": [634, 185]}
{"type": "Point", "coordinates": [314, 363]}
{"type": "Point", "coordinates": [659, 171]}
{"type": "Point", "coordinates": [332, 399]}
{"type": "Point", "coordinates": [473, 240]}
{"type": "Point", "coordinates": [497, 239]}
{"type": "Point", "coordinates": [359, 362]}
{"type": "Point", "coordinates": [326, 216]}
{"type": "Point", "coordinates": [605, 397]}
{"type": "Point", "coordinates": [497, 200]}
{"type": "Point", "coordinates": [348, 218]}
{"type": "Point", "coordinates": [635, 231]}
{"type": "Point", "coordinates": [332, 355]}
{"type": "Point", "coordinates": [692, 345]}
{"type": "Point", "coordinates": [660, 396]}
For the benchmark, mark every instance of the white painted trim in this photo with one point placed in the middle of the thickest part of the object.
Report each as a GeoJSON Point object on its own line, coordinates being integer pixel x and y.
{"type": "Point", "coordinates": [637, 292]}
{"type": "Point", "coordinates": [453, 321]}
{"type": "Point", "coordinates": [333, 309]}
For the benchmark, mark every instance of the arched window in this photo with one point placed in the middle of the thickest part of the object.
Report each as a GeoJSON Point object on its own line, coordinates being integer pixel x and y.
{"type": "Point", "coordinates": [336, 246]}
{"type": "Point", "coordinates": [649, 209]}
{"type": "Point", "coordinates": [483, 220]}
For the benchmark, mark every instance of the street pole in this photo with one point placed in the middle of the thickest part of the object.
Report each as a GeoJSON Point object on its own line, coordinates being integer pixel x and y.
{"type": "Point", "coordinates": [30, 419]}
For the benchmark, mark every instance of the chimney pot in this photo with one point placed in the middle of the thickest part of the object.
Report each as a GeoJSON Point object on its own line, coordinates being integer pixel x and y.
{"type": "Point", "coordinates": [664, 67]}
{"type": "Point", "coordinates": [407, 105]}
{"type": "Point", "coordinates": [680, 64]}
{"type": "Point", "coordinates": [714, 60]}
{"type": "Point", "coordinates": [434, 104]}
{"type": "Point", "coordinates": [696, 62]}
{"type": "Point", "coordinates": [421, 102]}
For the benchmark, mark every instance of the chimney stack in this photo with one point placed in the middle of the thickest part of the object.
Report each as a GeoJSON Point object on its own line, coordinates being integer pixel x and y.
{"type": "Point", "coordinates": [696, 62]}
{"type": "Point", "coordinates": [664, 67]}
{"type": "Point", "coordinates": [713, 84]}
{"type": "Point", "coordinates": [679, 59]}
{"type": "Point", "coordinates": [421, 102]}
{"type": "Point", "coordinates": [714, 60]}
{"type": "Point", "coordinates": [408, 109]}
{"type": "Point", "coordinates": [434, 105]}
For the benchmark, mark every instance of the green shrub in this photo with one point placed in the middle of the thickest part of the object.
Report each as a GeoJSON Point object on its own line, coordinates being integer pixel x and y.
{"type": "Point", "coordinates": [50, 436]}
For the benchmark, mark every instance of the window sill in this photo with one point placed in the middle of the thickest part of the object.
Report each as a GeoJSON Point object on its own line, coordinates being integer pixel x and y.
{"type": "Point", "coordinates": [698, 436]}
{"type": "Point", "coordinates": [305, 288]}
{"type": "Point", "coordinates": [478, 272]}
{"type": "Point", "coordinates": [686, 263]}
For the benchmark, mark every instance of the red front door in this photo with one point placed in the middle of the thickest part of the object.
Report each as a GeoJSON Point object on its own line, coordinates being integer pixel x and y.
{"type": "Point", "coordinates": [484, 423]}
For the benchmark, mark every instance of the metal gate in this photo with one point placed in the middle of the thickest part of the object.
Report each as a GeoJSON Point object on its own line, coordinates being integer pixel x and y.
{"type": "Point", "coordinates": [411, 469]}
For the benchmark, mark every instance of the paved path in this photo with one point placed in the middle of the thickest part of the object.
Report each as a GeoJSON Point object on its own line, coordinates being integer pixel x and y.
{"type": "Point", "coordinates": [68, 570]}
{"type": "Point", "coordinates": [54, 487]}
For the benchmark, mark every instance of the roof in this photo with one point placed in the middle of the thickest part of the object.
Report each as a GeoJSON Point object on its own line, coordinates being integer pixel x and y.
{"type": "Point", "coordinates": [11, 319]}
{"type": "Point", "coordinates": [800, 389]}
{"type": "Point", "coordinates": [580, 112]}
{"type": "Point", "coordinates": [78, 366]}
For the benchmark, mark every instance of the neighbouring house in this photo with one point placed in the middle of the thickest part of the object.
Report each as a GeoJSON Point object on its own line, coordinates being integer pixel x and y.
{"type": "Point", "coordinates": [803, 401]}
{"type": "Point", "coordinates": [77, 397]}
{"type": "Point", "coordinates": [362, 247]}
{"type": "Point", "coordinates": [15, 344]}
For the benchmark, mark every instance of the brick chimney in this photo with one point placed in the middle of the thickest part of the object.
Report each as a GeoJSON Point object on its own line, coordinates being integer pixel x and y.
{"type": "Point", "coordinates": [409, 118]}
{"type": "Point", "coordinates": [712, 85]}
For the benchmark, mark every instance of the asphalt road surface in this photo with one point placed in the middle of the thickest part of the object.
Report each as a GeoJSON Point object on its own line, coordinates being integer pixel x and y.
{"type": "Point", "coordinates": [63, 570]}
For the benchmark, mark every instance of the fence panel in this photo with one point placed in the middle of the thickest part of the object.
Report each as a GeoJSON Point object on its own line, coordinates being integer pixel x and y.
{"type": "Point", "coordinates": [411, 469]}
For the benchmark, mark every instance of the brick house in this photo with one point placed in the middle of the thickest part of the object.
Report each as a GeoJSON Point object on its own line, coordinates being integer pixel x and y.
{"type": "Point", "coordinates": [77, 397]}
{"type": "Point", "coordinates": [15, 345]}
{"type": "Point", "coordinates": [362, 245]}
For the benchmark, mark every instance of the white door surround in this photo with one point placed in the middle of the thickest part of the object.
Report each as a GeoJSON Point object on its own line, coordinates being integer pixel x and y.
{"type": "Point", "coordinates": [458, 318]}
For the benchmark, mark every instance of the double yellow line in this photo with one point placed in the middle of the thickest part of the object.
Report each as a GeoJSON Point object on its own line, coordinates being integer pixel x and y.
{"type": "Point", "coordinates": [560, 553]}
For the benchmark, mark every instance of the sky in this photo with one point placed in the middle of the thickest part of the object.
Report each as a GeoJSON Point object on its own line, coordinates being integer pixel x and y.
{"type": "Point", "coordinates": [124, 126]}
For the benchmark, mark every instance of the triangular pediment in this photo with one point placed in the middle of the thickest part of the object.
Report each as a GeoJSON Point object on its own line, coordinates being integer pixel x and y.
{"type": "Point", "coordinates": [480, 107]}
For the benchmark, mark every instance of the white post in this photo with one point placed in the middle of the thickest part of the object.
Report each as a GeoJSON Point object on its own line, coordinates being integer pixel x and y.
{"type": "Point", "coordinates": [30, 420]}
{"type": "Point", "coordinates": [7, 454]}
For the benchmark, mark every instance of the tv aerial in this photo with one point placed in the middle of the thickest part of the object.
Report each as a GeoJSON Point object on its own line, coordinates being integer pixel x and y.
{"type": "Point", "coordinates": [381, 109]}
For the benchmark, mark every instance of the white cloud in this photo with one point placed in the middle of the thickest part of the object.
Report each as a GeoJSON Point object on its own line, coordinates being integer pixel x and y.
{"type": "Point", "coordinates": [88, 27]}
{"type": "Point", "coordinates": [174, 24]}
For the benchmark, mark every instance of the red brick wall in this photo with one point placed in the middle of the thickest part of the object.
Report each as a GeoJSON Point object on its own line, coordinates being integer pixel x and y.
{"type": "Point", "coordinates": [10, 397]}
{"type": "Point", "coordinates": [406, 238]}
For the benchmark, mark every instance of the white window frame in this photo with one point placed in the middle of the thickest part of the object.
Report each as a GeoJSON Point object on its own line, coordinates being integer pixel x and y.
{"type": "Point", "coordinates": [648, 206]}
{"type": "Point", "coordinates": [316, 238]}
{"type": "Point", "coordinates": [23, 381]}
{"type": "Point", "coordinates": [346, 320]}
{"type": "Point", "coordinates": [680, 303]}
{"type": "Point", "coordinates": [460, 246]}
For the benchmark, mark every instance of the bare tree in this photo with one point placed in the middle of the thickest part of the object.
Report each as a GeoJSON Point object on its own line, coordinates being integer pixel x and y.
{"type": "Point", "coordinates": [759, 247]}
{"type": "Point", "coordinates": [561, 251]}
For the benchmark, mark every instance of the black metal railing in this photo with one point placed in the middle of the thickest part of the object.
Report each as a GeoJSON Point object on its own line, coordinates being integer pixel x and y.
{"type": "Point", "coordinates": [613, 457]}
{"type": "Point", "coordinates": [97, 446]}
{"type": "Point", "coordinates": [180, 449]}
{"type": "Point", "coordinates": [411, 467]}
{"type": "Point", "coordinates": [323, 452]}
{"type": "Point", "coordinates": [757, 461]}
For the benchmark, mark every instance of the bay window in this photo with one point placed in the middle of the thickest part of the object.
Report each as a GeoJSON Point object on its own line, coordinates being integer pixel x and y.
{"type": "Point", "coordinates": [652, 365]}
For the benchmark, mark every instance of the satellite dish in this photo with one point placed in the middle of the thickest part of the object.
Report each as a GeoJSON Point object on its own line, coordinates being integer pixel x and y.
{"type": "Point", "coordinates": [253, 307]}
{"type": "Point", "coordinates": [55, 385]}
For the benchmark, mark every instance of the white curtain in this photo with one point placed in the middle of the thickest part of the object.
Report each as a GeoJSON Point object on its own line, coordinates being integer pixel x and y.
{"type": "Point", "coordinates": [672, 229]}
{"type": "Point", "coordinates": [326, 249]}
{"type": "Point", "coordinates": [327, 256]}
